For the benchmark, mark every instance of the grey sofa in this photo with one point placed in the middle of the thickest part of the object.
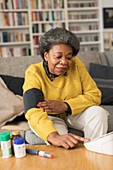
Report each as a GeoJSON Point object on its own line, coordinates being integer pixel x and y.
{"type": "Point", "coordinates": [16, 67]}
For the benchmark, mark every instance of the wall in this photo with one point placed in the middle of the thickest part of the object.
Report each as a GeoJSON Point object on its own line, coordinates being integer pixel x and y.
{"type": "Point", "coordinates": [107, 3]}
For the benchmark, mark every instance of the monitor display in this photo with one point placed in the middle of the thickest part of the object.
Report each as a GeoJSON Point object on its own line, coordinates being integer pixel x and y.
{"type": "Point", "coordinates": [108, 17]}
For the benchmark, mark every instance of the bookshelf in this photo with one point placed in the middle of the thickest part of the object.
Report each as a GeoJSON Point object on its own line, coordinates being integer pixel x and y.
{"type": "Point", "coordinates": [23, 22]}
{"type": "Point", "coordinates": [14, 28]}
{"type": "Point", "coordinates": [84, 19]}
{"type": "Point", "coordinates": [108, 40]}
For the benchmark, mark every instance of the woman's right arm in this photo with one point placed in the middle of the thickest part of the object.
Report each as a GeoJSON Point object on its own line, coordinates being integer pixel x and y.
{"type": "Point", "coordinates": [37, 117]}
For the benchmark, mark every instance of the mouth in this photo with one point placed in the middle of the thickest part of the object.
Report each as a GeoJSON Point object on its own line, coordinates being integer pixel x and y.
{"type": "Point", "coordinates": [62, 69]}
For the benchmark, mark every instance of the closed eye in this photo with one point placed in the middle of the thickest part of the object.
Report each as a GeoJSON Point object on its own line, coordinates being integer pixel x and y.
{"type": "Point", "coordinates": [69, 58]}
{"type": "Point", "coordinates": [58, 57]}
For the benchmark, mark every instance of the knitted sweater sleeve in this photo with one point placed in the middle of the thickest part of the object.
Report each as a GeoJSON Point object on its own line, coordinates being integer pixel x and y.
{"type": "Point", "coordinates": [37, 117]}
{"type": "Point", "coordinates": [90, 96]}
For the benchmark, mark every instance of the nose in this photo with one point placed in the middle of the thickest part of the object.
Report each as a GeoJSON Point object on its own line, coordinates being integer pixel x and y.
{"type": "Point", "coordinates": [63, 61]}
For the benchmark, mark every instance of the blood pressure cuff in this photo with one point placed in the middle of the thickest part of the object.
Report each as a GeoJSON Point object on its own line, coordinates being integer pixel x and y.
{"type": "Point", "coordinates": [31, 98]}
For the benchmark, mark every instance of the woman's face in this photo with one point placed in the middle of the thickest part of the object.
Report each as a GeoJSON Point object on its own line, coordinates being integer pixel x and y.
{"type": "Point", "coordinates": [59, 59]}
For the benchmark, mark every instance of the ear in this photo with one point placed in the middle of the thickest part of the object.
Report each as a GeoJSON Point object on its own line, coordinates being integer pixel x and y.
{"type": "Point", "coordinates": [46, 56]}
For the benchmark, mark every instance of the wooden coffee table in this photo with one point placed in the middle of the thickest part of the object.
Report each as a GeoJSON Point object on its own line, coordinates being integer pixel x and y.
{"type": "Point", "coordinates": [74, 159]}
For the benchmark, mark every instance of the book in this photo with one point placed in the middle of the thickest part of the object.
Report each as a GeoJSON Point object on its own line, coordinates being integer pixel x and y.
{"type": "Point", "coordinates": [17, 51]}
{"type": "Point", "coordinates": [8, 22]}
{"type": "Point", "coordinates": [8, 37]}
{"type": "Point", "coordinates": [35, 40]}
{"type": "Point", "coordinates": [13, 19]}
{"type": "Point", "coordinates": [1, 51]}
{"type": "Point", "coordinates": [34, 5]}
{"type": "Point", "coordinates": [21, 4]}
{"type": "Point", "coordinates": [10, 19]}
{"type": "Point", "coordinates": [9, 52]}
{"type": "Point", "coordinates": [5, 52]}
{"type": "Point", "coordinates": [3, 4]}
{"type": "Point", "coordinates": [52, 16]}
{"type": "Point", "coordinates": [1, 19]}
{"type": "Point", "coordinates": [24, 4]}
{"type": "Point", "coordinates": [14, 4]}
{"type": "Point", "coordinates": [9, 4]}
{"type": "Point", "coordinates": [5, 18]}
{"type": "Point", "coordinates": [27, 38]}
{"type": "Point", "coordinates": [35, 28]}
{"type": "Point", "coordinates": [4, 34]}
{"type": "Point", "coordinates": [17, 4]}
{"type": "Point", "coordinates": [19, 16]}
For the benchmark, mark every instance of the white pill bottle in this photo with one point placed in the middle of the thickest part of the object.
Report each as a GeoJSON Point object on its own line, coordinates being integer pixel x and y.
{"type": "Point", "coordinates": [6, 145]}
{"type": "Point", "coordinates": [19, 147]}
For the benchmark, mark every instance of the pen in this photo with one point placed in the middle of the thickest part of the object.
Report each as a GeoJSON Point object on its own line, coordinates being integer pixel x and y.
{"type": "Point", "coordinates": [40, 153]}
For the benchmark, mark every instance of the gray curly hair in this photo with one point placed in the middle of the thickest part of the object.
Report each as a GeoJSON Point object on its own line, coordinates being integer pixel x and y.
{"type": "Point", "coordinates": [58, 36]}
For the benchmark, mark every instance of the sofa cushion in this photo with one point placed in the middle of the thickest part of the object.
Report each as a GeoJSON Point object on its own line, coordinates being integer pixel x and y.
{"type": "Point", "coordinates": [18, 125]}
{"type": "Point", "coordinates": [11, 105]}
{"type": "Point", "coordinates": [14, 84]}
{"type": "Point", "coordinates": [103, 76]}
{"type": "Point", "coordinates": [88, 57]}
{"type": "Point", "coordinates": [109, 57]}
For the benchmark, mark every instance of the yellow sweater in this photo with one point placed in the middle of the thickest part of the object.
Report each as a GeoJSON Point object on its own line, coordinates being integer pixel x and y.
{"type": "Point", "coordinates": [77, 89]}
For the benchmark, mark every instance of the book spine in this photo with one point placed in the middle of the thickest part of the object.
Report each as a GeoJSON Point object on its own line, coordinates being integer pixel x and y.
{"type": "Point", "coordinates": [14, 4]}
{"type": "Point", "coordinates": [36, 2]}
{"type": "Point", "coordinates": [8, 21]}
{"type": "Point", "coordinates": [24, 4]}
{"type": "Point", "coordinates": [35, 40]}
{"type": "Point", "coordinates": [34, 5]}
{"type": "Point", "coordinates": [3, 4]}
{"type": "Point", "coordinates": [17, 4]}
{"type": "Point", "coordinates": [11, 18]}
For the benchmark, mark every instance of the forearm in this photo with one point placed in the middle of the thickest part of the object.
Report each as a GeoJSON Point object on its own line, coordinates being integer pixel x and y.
{"type": "Point", "coordinates": [40, 122]}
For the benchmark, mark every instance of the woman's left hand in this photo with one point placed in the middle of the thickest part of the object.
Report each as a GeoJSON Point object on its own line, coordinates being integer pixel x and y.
{"type": "Point", "coordinates": [53, 106]}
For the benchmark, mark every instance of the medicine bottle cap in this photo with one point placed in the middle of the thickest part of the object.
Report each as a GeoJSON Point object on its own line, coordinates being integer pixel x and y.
{"type": "Point", "coordinates": [5, 136]}
{"type": "Point", "coordinates": [15, 132]}
{"type": "Point", "coordinates": [19, 141]}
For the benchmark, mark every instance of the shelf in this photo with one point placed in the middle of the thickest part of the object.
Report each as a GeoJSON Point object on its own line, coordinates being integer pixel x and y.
{"type": "Point", "coordinates": [84, 20]}
{"type": "Point", "coordinates": [43, 10]}
{"type": "Point", "coordinates": [47, 22]}
{"type": "Point", "coordinates": [14, 27]}
{"type": "Point", "coordinates": [35, 46]}
{"type": "Point", "coordinates": [83, 9]}
{"type": "Point", "coordinates": [14, 10]}
{"type": "Point", "coordinates": [86, 32]}
{"type": "Point", "coordinates": [37, 34]}
{"type": "Point", "coordinates": [15, 43]}
{"type": "Point", "coordinates": [90, 43]}
{"type": "Point", "coordinates": [108, 30]}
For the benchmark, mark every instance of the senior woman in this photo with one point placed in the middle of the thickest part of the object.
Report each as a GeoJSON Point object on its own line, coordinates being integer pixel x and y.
{"type": "Point", "coordinates": [59, 93]}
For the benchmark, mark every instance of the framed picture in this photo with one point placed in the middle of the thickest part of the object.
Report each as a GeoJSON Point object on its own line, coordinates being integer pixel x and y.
{"type": "Point", "coordinates": [108, 17]}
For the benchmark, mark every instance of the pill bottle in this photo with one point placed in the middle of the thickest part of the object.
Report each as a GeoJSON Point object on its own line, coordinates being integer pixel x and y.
{"type": "Point", "coordinates": [15, 134]}
{"type": "Point", "coordinates": [6, 145]}
{"type": "Point", "coordinates": [19, 147]}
